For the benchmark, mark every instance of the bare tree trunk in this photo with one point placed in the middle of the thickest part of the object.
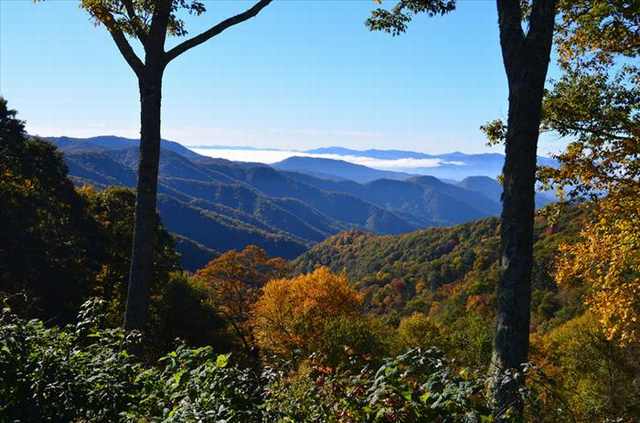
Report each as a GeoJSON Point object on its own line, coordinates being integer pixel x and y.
{"type": "Point", "coordinates": [526, 60]}
{"type": "Point", "coordinates": [145, 220]}
{"type": "Point", "coordinates": [514, 290]}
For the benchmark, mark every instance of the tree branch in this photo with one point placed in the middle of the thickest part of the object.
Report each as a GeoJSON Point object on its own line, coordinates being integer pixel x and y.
{"type": "Point", "coordinates": [512, 36]}
{"type": "Point", "coordinates": [125, 48]}
{"type": "Point", "coordinates": [154, 46]}
{"type": "Point", "coordinates": [541, 23]}
{"type": "Point", "coordinates": [215, 30]}
{"type": "Point", "coordinates": [135, 22]}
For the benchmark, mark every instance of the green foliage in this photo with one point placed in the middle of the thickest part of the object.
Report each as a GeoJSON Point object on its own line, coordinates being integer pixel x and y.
{"type": "Point", "coordinates": [182, 310]}
{"type": "Point", "coordinates": [600, 112]}
{"type": "Point", "coordinates": [196, 385]}
{"type": "Point", "coordinates": [62, 375]}
{"type": "Point", "coordinates": [134, 17]}
{"type": "Point", "coordinates": [418, 331]}
{"type": "Point", "coordinates": [395, 21]}
{"type": "Point", "coordinates": [417, 386]}
{"type": "Point", "coordinates": [84, 373]}
{"type": "Point", "coordinates": [595, 375]}
{"type": "Point", "coordinates": [346, 341]}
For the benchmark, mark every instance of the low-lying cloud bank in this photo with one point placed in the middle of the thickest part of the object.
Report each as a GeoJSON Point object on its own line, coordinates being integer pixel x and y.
{"type": "Point", "coordinates": [273, 156]}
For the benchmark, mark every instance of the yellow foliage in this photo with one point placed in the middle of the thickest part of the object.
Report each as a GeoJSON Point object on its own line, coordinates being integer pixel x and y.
{"type": "Point", "coordinates": [594, 375]}
{"type": "Point", "coordinates": [418, 330]}
{"type": "Point", "coordinates": [607, 259]}
{"type": "Point", "coordinates": [292, 313]}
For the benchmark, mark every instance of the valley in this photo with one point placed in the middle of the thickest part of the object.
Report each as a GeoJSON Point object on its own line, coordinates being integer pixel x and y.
{"type": "Point", "coordinates": [216, 205]}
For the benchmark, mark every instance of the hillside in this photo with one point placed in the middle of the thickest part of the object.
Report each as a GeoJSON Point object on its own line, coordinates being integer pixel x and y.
{"type": "Point", "coordinates": [233, 204]}
{"type": "Point", "coordinates": [402, 274]}
{"type": "Point", "coordinates": [422, 200]}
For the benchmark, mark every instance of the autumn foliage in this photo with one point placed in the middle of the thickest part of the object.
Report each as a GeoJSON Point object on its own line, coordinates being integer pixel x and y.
{"type": "Point", "coordinates": [292, 313]}
{"type": "Point", "coordinates": [233, 282]}
{"type": "Point", "coordinates": [607, 259]}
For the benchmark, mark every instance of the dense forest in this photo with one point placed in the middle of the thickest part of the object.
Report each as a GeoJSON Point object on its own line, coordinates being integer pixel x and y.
{"type": "Point", "coordinates": [219, 205]}
{"type": "Point", "coordinates": [306, 340]}
{"type": "Point", "coordinates": [342, 311]}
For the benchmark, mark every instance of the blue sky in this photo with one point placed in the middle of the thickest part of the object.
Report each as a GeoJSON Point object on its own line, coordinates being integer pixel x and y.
{"type": "Point", "coordinates": [302, 74]}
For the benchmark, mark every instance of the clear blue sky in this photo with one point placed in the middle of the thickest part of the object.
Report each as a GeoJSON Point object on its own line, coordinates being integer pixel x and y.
{"type": "Point", "coordinates": [302, 74]}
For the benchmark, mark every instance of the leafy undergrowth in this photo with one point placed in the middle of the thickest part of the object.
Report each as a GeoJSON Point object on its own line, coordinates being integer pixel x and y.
{"type": "Point", "coordinates": [83, 372]}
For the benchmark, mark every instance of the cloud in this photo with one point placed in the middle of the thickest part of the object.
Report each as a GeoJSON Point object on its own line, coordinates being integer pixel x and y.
{"type": "Point", "coordinates": [273, 156]}
{"type": "Point", "coordinates": [389, 164]}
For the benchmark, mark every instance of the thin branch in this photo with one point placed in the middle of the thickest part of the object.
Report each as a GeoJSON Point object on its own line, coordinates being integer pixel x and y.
{"type": "Point", "coordinates": [215, 30]}
{"type": "Point", "coordinates": [135, 21]}
{"type": "Point", "coordinates": [123, 45]}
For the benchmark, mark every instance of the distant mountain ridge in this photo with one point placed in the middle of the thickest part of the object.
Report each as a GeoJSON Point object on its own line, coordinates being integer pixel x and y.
{"type": "Point", "coordinates": [113, 142]}
{"type": "Point", "coordinates": [337, 168]}
{"type": "Point", "coordinates": [223, 205]}
{"type": "Point", "coordinates": [456, 165]}
{"type": "Point", "coordinates": [214, 205]}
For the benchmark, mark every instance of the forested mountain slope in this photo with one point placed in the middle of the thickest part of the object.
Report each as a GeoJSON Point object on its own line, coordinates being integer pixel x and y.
{"type": "Point", "coordinates": [221, 205]}
{"type": "Point", "coordinates": [404, 273]}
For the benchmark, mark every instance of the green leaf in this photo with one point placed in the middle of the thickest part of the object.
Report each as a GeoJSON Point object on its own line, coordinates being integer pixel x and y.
{"type": "Point", "coordinates": [222, 360]}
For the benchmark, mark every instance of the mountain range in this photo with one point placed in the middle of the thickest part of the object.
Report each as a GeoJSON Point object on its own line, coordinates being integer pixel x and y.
{"type": "Point", "coordinates": [213, 205]}
{"type": "Point", "coordinates": [337, 169]}
{"type": "Point", "coordinates": [455, 166]}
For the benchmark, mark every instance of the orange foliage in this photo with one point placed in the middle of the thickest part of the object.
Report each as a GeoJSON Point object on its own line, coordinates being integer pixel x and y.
{"type": "Point", "coordinates": [292, 313]}
{"type": "Point", "coordinates": [233, 282]}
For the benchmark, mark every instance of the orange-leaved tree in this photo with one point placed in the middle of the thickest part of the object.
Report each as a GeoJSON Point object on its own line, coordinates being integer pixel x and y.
{"type": "Point", "coordinates": [607, 259]}
{"type": "Point", "coordinates": [233, 282]}
{"type": "Point", "coordinates": [291, 314]}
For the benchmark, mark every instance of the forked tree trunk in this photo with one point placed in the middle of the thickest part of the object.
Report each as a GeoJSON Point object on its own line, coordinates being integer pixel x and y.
{"type": "Point", "coordinates": [149, 76]}
{"type": "Point", "coordinates": [141, 272]}
{"type": "Point", "coordinates": [526, 60]}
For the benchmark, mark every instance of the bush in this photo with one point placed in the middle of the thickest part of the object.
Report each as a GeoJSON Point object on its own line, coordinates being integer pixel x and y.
{"type": "Point", "coordinates": [85, 373]}
{"type": "Point", "coordinates": [350, 340]}
{"type": "Point", "coordinates": [62, 375]}
{"type": "Point", "coordinates": [418, 330]}
{"type": "Point", "coordinates": [418, 386]}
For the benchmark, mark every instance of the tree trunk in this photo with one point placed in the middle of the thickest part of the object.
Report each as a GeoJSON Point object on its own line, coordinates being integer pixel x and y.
{"type": "Point", "coordinates": [526, 60]}
{"type": "Point", "coordinates": [150, 84]}
{"type": "Point", "coordinates": [514, 290]}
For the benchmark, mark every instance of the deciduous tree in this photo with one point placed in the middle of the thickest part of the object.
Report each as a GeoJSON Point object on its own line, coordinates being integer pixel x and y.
{"type": "Point", "coordinates": [48, 249]}
{"type": "Point", "coordinates": [232, 283]}
{"type": "Point", "coordinates": [150, 22]}
{"type": "Point", "coordinates": [526, 56]}
{"type": "Point", "coordinates": [292, 313]}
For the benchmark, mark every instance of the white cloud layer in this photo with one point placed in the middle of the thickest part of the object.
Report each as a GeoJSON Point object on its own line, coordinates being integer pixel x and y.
{"type": "Point", "coordinates": [273, 156]}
